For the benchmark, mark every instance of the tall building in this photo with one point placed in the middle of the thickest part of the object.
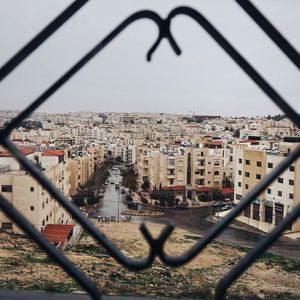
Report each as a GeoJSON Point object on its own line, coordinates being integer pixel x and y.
{"type": "Point", "coordinates": [272, 205]}
{"type": "Point", "coordinates": [25, 194]}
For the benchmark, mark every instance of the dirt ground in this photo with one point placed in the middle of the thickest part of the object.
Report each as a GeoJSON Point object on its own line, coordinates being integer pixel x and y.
{"type": "Point", "coordinates": [24, 266]}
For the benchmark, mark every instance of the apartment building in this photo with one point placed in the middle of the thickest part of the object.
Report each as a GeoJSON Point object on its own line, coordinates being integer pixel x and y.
{"type": "Point", "coordinates": [81, 169]}
{"type": "Point", "coordinates": [24, 193]}
{"type": "Point", "coordinates": [273, 204]}
{"type": "Point", "coordinates": [189, 166]}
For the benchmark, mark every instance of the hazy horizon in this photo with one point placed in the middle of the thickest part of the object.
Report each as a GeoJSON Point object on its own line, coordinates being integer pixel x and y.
{"type": "Point", "coordinates": [203, 80]}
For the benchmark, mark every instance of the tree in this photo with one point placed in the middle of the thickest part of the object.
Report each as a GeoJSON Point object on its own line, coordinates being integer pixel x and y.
{"type": "Point", "coordinates": [130, 182]}
{"type": "Point", "coordinates": [146, 185]}
{"type": "Point", "coordinates": [164, 197]}
{"type": "Point", "coordinates": [237, 133]}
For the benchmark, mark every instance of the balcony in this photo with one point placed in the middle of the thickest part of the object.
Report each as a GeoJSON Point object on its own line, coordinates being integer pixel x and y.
{"type": "Point", "coordinates": [171, 166]}
{"type": "Point", "coordinates": [156, 246]}
{"type": "Point", "coordinates": [171, 176]}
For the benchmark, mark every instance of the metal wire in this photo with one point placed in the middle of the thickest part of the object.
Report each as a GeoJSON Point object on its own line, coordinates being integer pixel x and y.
{"type": "Point", "coordinates": [255, 253]}
{"type": "Point", "coordinates": [271, 31]}
{"type": "Point", "coordinates": [155, 245]}
{"type": "Point", "coordinates": [59, 258]}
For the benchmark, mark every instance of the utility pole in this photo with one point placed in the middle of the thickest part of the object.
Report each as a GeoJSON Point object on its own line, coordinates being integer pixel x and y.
{"type": "Point", "coordinates": [118, 205]}
{"type": "Point", "coordinates": [210, 208]}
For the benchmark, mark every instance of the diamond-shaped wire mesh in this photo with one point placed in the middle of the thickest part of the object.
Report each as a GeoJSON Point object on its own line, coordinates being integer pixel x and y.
{"type": "Point", "coordinates": [155, 245]}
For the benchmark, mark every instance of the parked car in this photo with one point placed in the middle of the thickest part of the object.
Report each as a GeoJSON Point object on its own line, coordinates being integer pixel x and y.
{"type": "Point", "coordinates": [225, 207]}
{"type": "Point", "coordinates": [219, 203]}
{"type": "Point", "coordinates": [126, 218]}
{"type": "Point", "coordinates": [182, 206]}
{"type": "Point", "coordinates": [132, 205]}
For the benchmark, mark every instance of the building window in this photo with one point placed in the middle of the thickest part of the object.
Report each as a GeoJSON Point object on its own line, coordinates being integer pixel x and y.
{"type": "Point", "coordinates": [247, 174]}
{"type": "Point", "coordinates": [7, 226]}
{"type": "Point", "coordinates": [247, 186]}
{"type": "Point", "coordinates": [6, 188]}
{"type": "Point", "coordinates": [270, 165]}
{"type": "Point", "coordinates": [280, 180]}
{"type": "Point", "coordinates": [291, 182]}
{"type": "Point", "coordinates": [240, 160]}
{"type": "Point", "coordinates": [280, 193]}
{"type": "Point", "coordinates": [216, 173]}
{"type": "Point", "coordinates": [258, 176]}
{"type": "Point", "coordinates": [258, 163]}
{"type": "Point", "coordinates": [171, 162]}
{"type": "Point", "coordinates": [240, 172]}
{"type": "Point", "coordinates": [43, 223]}
{"type": "Point", "coordinates": [31, 189]}
{"type": "Point", "coordinates": [31, 207]}
{"type": "Point", "coordinates": [292, 168]}
{"type": "Point", "coordinates": [269, 191]}
{"type": "Point", "coordinates": [247, 162]}
{"type": "Point", "coordinates": [291, 196]}
{"type": "Point", "coordinates": [238, 197]}
{"type": "Point", "coordinates": [239, 184]}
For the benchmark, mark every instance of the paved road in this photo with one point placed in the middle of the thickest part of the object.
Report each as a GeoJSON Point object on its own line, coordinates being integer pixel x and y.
{"type": "Point", "coordinates": [195, 221]}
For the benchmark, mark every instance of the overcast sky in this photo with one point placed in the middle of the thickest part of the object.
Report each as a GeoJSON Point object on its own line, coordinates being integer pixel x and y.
{"type": "Point", "coordinates": [204, 79]}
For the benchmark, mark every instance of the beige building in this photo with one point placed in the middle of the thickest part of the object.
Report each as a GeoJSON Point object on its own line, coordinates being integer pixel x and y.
{"type": "Point", "coordinates": [24, 193]}
{"type": "Point", "coordinates": [189, 167]}
{"type": "Point", "coordinates": [81, 169]}
{"type": "Point", "coordinates": [251, 165]}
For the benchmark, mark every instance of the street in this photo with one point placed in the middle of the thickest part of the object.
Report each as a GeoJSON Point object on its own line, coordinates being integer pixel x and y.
{"type": "Point", "coordinates": [193, 220]}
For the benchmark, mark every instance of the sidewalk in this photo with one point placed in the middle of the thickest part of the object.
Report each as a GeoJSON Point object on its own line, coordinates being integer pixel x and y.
{"type": "Point", "coordinates": [243, 223]}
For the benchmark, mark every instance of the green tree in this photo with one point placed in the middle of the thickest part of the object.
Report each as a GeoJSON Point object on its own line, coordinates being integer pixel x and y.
{"type": "Point", "coordinates": [130, 182]}
{"type": "Point", "coordinates": [146, 185]}
{"type": "Point", "coordinates": [237, 133]}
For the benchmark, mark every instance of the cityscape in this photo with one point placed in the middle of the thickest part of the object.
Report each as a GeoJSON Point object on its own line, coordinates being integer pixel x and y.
{"type": "Point", "coordinates": [134, 167]}
{"type": "Point", "coordinates": [150, 151]}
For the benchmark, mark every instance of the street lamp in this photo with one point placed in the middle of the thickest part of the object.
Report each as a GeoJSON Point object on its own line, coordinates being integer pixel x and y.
{"type": "Point", "coordinates": [118, 205]}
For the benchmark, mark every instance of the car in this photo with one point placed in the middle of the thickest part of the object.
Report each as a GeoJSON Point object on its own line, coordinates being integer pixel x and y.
{"type": "Point", "coordinates": [133, 206]}
{"type": "Point", "coordinates": [182, 206]}
{"type": "Point", "coordinates": [225, 207]}
{"type": "Point", "coordinates": [219, 203]}
{"type": "Point", "coordinates": [106, 219]}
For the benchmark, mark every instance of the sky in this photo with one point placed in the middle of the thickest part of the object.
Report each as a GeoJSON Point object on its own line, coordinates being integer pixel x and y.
{"type": "Point", "coordinates": [202, 80]}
